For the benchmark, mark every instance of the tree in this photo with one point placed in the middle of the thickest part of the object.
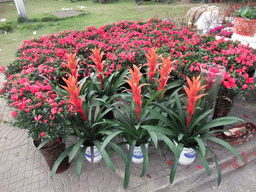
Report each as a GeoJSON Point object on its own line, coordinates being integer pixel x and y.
{"type": "Point", "coordinates": [21, 9]}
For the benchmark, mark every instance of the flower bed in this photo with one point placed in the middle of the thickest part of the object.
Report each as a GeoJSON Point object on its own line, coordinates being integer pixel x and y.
{"type": "Point", "coordinates": [124, 45]}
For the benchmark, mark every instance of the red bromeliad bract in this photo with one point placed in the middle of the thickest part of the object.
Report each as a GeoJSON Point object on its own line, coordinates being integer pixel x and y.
{"type": "Point", "coordinates": [192, 90]}
{"type": "Point", "coordinates": [136, 88]}
{"type": "Point", "coordinates": [72, 86]}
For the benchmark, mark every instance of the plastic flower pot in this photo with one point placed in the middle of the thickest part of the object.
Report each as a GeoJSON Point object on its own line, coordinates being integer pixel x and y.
{"type": "Point", "coordinates": [187, 156]}
{"type": "Point", "coordinates": [245, 27]}
{"type": "Point", "coordinates": [51, 154]}
{"type": "Point", "coordinates": [97, 156]}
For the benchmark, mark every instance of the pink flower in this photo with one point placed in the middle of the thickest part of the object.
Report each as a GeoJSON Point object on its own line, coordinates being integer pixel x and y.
{"type": "Point", "coordinates": [38, 118]}
{"type": "Point", "coordinates": [45, 120]}
{"type": "Point", "coordinates": [15, 97]}
{"type": "Point", "coordinates": [14, 113]}
{"type": "Point", "coordinates": [244, 86]}
{"type": "Point", "coordinates": [54, 110]}
{"type": "Point", "coordinates": [42, 134]}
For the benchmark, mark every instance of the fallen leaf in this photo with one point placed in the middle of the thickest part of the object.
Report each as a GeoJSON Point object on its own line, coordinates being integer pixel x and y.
{"type": "Point", "coordinates": [149, 176]}
{"type": "Point", "coordinates": [246, 116]}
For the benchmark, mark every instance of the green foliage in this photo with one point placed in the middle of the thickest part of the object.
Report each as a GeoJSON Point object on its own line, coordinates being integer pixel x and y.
{"type": "Point", "coordinates": [246, 13]}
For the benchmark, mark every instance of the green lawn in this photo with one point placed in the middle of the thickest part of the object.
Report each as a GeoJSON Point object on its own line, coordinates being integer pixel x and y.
{"type": "Point", "coordinates": [95, 14]}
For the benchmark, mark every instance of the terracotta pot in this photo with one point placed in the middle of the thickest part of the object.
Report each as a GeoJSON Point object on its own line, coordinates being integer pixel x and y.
{"type": "Point", "coordinates": [244, 27]}
{"type": "Point", "coordinates": [51, 154]}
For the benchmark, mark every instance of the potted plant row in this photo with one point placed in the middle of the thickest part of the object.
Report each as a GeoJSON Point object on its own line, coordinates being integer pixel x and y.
{"type": "Point", "coordinates": [153, 109]}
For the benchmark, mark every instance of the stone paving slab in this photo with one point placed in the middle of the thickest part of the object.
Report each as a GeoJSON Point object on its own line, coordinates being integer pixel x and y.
{"type": "Point", "coordinates": [22, 168]}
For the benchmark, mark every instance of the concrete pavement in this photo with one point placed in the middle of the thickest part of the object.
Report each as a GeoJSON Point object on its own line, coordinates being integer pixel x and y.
{"type": "Point", "coordinates": [23, 169]}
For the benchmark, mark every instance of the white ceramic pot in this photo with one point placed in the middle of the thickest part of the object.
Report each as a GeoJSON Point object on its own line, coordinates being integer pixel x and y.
{"type": "Point", "coordinates": [187, 156]}
{"type": "Point", "coordinates": [137, 154]}
{"type": "Point", "coordinates": [97, 155]}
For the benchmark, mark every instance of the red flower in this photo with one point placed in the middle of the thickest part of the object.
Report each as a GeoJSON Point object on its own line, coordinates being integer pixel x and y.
{"type": "Point", "coordinates": [42, 134]}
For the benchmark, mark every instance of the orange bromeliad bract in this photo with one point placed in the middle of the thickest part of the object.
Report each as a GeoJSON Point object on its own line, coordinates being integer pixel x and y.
{"type": "Point", "coordinates": [192, 91]}
{"type": "Point", "coordinates": [72, 64]}
{"type": "Point", "coordinates": [152, 63]}
{"type": "Point", "coordinates": [164, 72]}
{"type": "Point", "coordinates": [136, 88]}
{"type": "Point", "coordinates": [98, 64]}
{"type": "Point", "coordinates": [72, 86]}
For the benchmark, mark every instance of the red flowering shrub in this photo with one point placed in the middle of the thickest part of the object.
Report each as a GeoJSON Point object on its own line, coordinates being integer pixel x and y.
{"type": "Point", "coordinates": [124, 44]}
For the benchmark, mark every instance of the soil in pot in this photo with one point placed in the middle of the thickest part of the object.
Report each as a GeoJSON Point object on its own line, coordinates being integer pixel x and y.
{"type": "Point", "coordinates": [51, 151]}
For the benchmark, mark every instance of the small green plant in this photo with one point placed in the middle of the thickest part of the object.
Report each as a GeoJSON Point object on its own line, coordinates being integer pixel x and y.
{"type": "Point", "coordinates": [246, 13]}
{"type": "Point", "coordinates": [8, 27]}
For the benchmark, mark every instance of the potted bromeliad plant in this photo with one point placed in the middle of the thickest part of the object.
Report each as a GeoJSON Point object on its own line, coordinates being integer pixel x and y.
{"type": "Point", "coordinates": [188, 128]}
{"type": "Point", "coordinates": [132, 115]}
{"type": "Point", "coordinates": [91, 99]}
{"type": "Point", "coordinates": [245, 21]}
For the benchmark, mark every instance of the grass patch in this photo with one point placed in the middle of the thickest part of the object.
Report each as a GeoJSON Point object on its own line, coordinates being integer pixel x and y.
{"type": "Point", "coordinates": [43, 22]}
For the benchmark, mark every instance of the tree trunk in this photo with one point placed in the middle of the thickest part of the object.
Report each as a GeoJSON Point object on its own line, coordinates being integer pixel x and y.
{"type": "Point", "coordinates": [21, 9]}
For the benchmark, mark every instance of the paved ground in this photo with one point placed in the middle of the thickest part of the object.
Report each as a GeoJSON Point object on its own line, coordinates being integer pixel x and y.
{"type": "Point", "coordinates": [22, 167]}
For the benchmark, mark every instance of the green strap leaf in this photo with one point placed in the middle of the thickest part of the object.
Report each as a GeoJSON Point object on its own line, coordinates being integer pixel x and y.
{"type": "Point", "coordinates": [109, 138]}
{"type": "Point", "coordinates": [128, 165]}
{"type": "Point", "coordinates": [104, 155]}
{"type": "Point", "coordinates": [217, 166]}
{"type": "Point", "coordinates": [204, 161]}
{"type": "Point", "coordinates": [119, 151]}
{"type": "Point", "coordinates": [145, 160]}
{"type": "Point", "coordinates": [201, 145]}
{"type": "Point", "coordinates": [80, 161]}
{"type": "Point", "coordinates": [228, 146]}
{"type": "Point", "coordinates": [158, 129]}
{"type": "Point", "coordinates": [219, 122]}
{"type": "Point", "coordinates": [153, 137]}
{"type": "Point", "coordinates": [180, 110]}
{"type": "Point", "coordinates": [196, 121]}
{"type": "Point", "coordinates": [59, 160]}
{"type": "Point", "coordinates": [170, 143]}
{"type": "Point", "coordinates": [166, 121]}
{"type": "Point", "coordinates": [175, 164]}
{"type": "Point", "coordinates": [75, 149]}
{"type": "Point", "coordinates": [43, 143]}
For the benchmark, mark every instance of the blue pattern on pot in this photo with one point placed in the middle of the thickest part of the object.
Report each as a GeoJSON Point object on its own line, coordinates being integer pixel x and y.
{"type": "Point", "coordinates": [187, 156]}
{"type": "Point", "coordinates": [97, 155]}
{"type": "Point", "coordinates": [191, 154]}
